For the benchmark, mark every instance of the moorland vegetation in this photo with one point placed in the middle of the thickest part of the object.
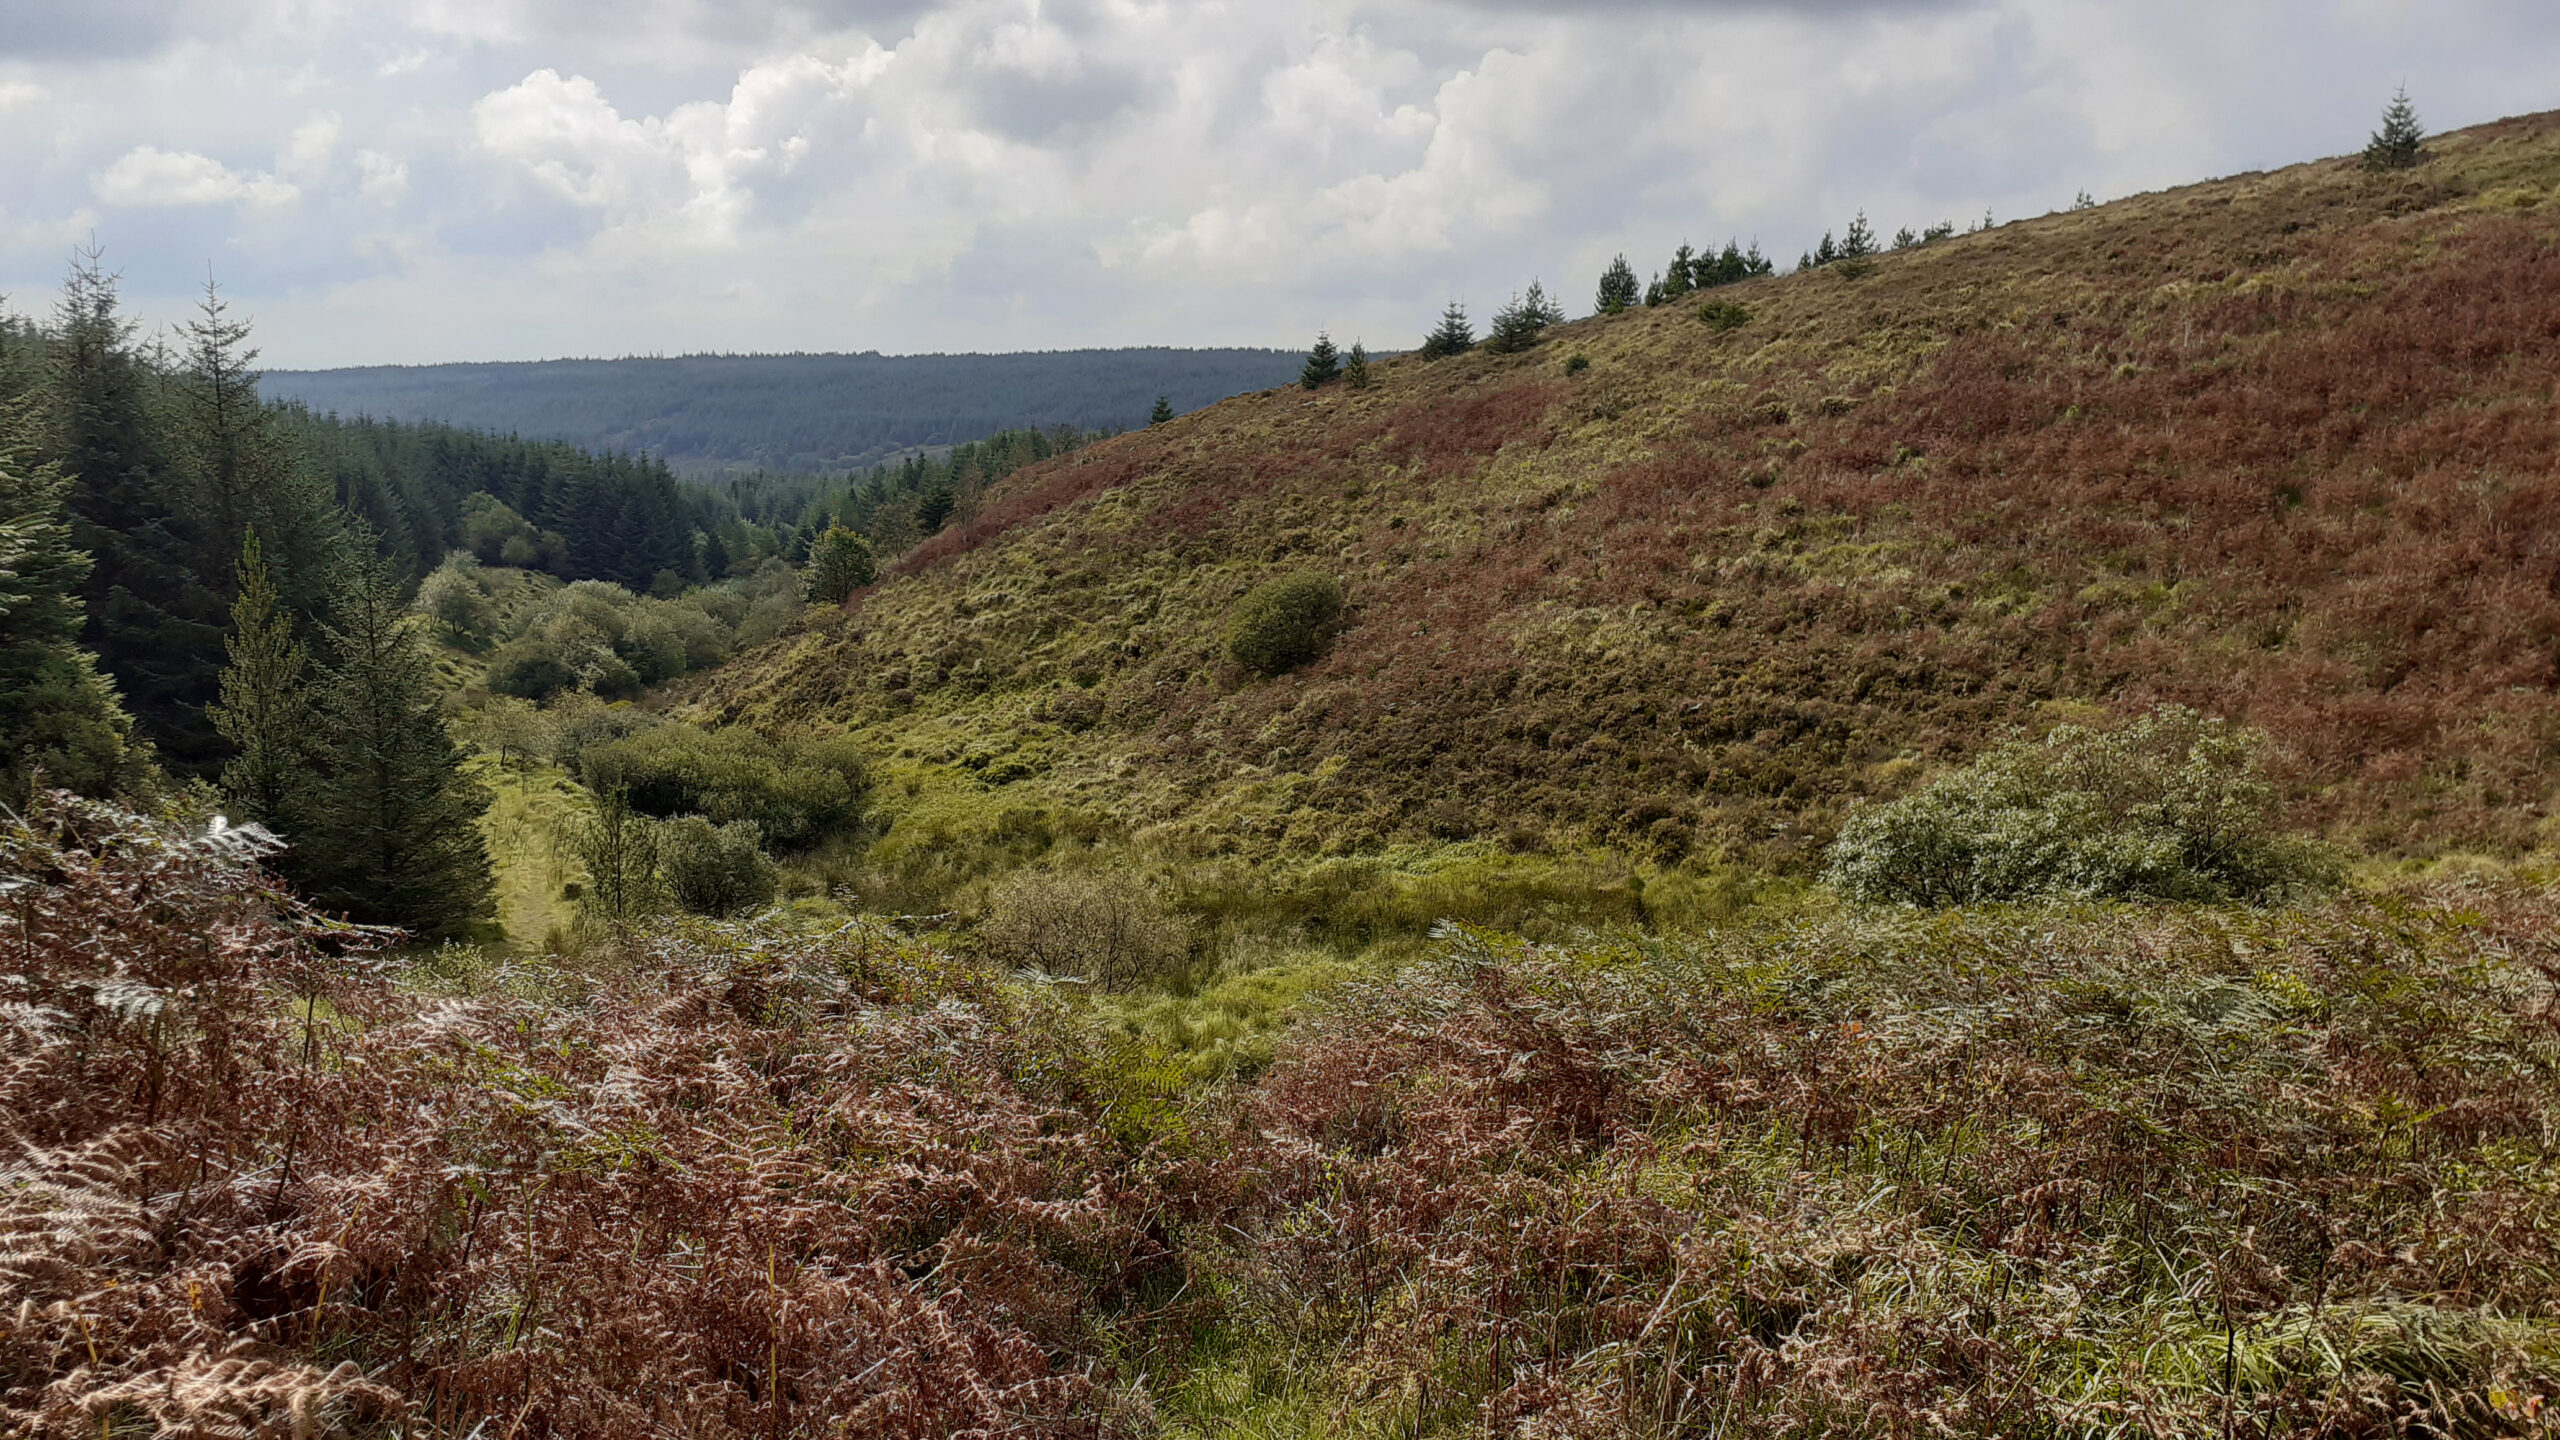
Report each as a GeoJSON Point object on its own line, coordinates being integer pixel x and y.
{"type": "Point", "coordinates": [1946, 843]}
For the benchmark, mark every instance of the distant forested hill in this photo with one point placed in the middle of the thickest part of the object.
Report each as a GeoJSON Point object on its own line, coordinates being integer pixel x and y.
{"type": "Point", "coordinates": [789, 412]}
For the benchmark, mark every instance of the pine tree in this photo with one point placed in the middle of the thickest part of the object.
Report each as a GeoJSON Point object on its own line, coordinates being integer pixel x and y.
{"type": "Point", "coordinates": [395, 834]}
{"type": "Point", "coordinates": [1162, 412]}
{"type": "Point", "coordinates": [715, 557]}
{"type": "Point", "coordinates": [1824, 253]}
{"type": "Point", "coordinates": [1324, 363]}
{"type": "Point", "coordinates": [1518, 325]}
{"type": "Point", "coordinates": [265, 710]}
{"type": "Point", "coordinates": [1453, 336]}
{"type": "Point", "coordinates": [1619, 288]}
{"type": "Point", "coordinates": [839, 564]}
{"type": "Point", "coordinates": [1355, 367]}
{"type": "Point", "coordinates": [1678, 278]}
{"type": "Point", "coordinates": [2396, 146]}
{"type": "Point", "coordinates": [60, 721]}
{"type": "Point", "coordinates": [1861, 240]}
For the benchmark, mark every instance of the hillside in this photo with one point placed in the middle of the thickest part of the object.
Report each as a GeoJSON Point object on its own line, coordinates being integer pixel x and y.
{"type": "Point", "coordinates": [2280, 446]}
{"type": "Point", "coordinates": [709, 413]}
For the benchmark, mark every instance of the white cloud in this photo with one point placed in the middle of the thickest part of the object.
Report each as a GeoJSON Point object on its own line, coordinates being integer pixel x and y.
{"type": "Point", "coordinates": [148, 177]}
{"type": "Point", "coordinates": [308, 150]}
{"type": "Point", "coordinates": [524, 177]}
{"type": "Point", "coordinates": [385, 177]}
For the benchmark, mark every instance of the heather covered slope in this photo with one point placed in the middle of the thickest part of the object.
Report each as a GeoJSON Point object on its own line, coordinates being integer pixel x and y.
{"type": "Point", "coordinates": [2279, 446]}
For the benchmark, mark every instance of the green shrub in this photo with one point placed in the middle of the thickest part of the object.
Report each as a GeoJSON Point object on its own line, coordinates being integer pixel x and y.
{"type": "Point", "coordinates": [1107, 928]}
{"type": "Point", "coordinates": [1723, 315]}
{"type": "Point", "coordinates": [795, 793]}
{"type": "Point", "coordinates": [714, 870]}
{"type": "Point", "coordinates": [530, 670]}
{"type": "Point", "coordinates": [2171, 806]}
{"type": "Point", "coordinates": [1284, 623]}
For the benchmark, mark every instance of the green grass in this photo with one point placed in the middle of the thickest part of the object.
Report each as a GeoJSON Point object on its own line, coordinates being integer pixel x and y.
{"type": "Point", "coordinates": [528, 811]}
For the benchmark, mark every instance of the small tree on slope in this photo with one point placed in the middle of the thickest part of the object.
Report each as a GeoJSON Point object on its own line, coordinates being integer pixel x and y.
{"type": "Point", "coordinates": [1453, 336]}
{"type": "Point", "coordinates": [2396, 145]}
{"type": "Point", "coordinates": [1324, 363]}
{"type": "Point", "coordinates": [1619, 288]}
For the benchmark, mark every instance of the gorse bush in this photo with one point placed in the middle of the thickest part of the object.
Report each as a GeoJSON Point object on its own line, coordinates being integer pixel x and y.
{"type": "Point", "coordinates": [1284, 623]}
{"type": "Point", "coordinates": [1107, 928]}
{"type": "Point", "coordinates": [2171, 806]}
{"type": "Point", "coordinates": [794, 791]}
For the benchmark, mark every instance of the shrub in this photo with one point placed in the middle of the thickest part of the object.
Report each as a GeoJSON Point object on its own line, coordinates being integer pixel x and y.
{"type": "Point", "coordinates": [714, 870]}
{"type": "Point", "coordinates": [456, 596]}
{"type": "Point", "coordinates": [1107, 928]}
{"type": "Point", "coordinates": [2171, 806]}
{"type": "Point", "coordinates": [1723, 315]}
{"type": "Point", "coordinates": [794, 792]}
{"type": "Point", "coordinates": [1284, 623]}
{"type": "Point", "coordinates": [531, 670]}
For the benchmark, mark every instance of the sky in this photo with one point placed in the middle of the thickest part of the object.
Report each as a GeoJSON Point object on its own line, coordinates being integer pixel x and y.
{"type": "Point", "coordinates": [520, 179]}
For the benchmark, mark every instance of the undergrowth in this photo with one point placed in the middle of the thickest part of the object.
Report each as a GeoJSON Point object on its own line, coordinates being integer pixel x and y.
{"type": "Point", "coordinates": [2051, 1171]}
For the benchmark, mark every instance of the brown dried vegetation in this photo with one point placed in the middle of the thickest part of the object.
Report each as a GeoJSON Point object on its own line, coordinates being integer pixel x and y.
{"type": "Point", "coordinates": [2279, 447]}
{"type": "Point", "coordinates": [735, 1184]}
{"type": "Point", "coordinates": [2058, 1172]}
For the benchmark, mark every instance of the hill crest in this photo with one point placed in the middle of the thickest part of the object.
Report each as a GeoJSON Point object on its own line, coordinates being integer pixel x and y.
{"type": "Point", "coordinates": [798, 412]}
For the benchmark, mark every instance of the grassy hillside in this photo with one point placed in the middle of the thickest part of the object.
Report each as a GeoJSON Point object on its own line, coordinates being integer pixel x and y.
{"type": "Point", "coordinates": [2279, 446]}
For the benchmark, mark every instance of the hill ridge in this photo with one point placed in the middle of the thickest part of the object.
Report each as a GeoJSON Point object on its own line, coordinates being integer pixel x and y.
{"type": "Point", "coordinates": [2277, 445]}
{"type": "Point", "coordinates": [801, 411]}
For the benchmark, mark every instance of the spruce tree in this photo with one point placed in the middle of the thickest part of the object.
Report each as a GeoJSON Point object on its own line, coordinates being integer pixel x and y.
{"type": "Point", "coordinates": [1355, 367]}
{"type": "Point", "coordinates": [1162, 412]}
{"type": "Point", "coordinates": [1453, 336]}
{"type": "Point", "coordinates": [60, 721]}
{"type": "Point", "coordinates": [395, 834]}
{"type": "Point", "coordinates": [1619, 288]}
{"type": "Point", "coordinates": [1518, 325]}
{"type": "Point", "coordinates": [154, 601]}
{"type": "Point", "coordinates": [1324, 363]}
{"type": "Point", "coordinates": [1861, 240]}
{"type": "Point", "coordinates": [1678, 278]}
{"type": "Point", "coordinates": [265, 709]}
{"type": "Point", "coordinates": [2396, 146]}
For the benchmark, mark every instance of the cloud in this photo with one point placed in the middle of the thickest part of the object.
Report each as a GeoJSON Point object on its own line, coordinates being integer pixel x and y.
{"type": "Point", "coordinates": [148, 177]}
{"type": "Point", "coordinates": [525, 177]}
{"type": "Point", "coordinates": [47, 30]}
